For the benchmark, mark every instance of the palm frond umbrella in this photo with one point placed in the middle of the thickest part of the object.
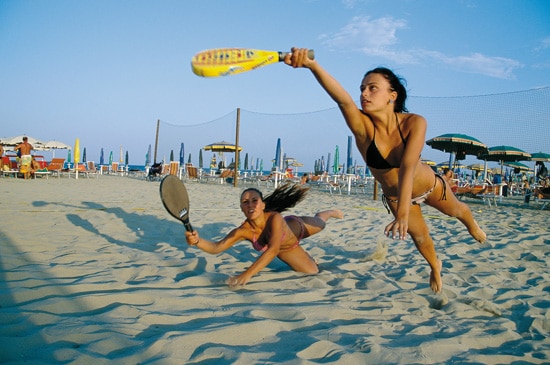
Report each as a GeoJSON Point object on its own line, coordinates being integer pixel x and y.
{"type": "Point", "coordinates": [505, 154]}
{"type": "Point", "coordinates": [458, 145]}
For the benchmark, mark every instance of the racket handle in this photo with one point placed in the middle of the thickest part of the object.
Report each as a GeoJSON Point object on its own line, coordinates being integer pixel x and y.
{"type": "Point", "coordinates": [310, 55]}
{"type": "Point", "coordinates": [187, 225]}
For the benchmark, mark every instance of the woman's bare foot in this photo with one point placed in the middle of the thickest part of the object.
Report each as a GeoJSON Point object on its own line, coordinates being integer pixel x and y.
{"type": "Point", "coordinates": [478, 234]}
{"type": "Point", "coordinates": [435, 278]}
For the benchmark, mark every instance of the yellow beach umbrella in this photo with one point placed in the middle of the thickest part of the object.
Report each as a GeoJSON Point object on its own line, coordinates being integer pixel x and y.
{"type": "Point", "coordinates": [77, 151]}
{"type": "Point", "coordinates": [76, 155]}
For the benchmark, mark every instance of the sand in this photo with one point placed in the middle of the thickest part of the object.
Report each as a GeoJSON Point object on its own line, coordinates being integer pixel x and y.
{"type": "Point", "coordinates": [94, 271]}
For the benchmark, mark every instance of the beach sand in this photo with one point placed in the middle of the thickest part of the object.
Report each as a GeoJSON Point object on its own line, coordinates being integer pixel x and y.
{"type": "Point", "coordinates": [94, 271]}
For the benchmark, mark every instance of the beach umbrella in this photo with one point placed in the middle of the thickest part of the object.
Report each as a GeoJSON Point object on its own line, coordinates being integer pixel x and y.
{"type": "Point", "coordinates": [349, 160]}
{"type": "Point", "coordinates": [262, 164]}
{"type": "Point", "coordinates": [111, 158]}
{"type": "Point", "coordinates": [518, 166]}
{"type": "Point", "coordinates": [76, 155]}
{"type": "Point", "coordinates": [171, 155]}
{"type": "Point", "coordinates": [189, 159]}
{"type": "Point", "coordinates": [278, 158]}
{"type": "Point", "coordinates": [246, 161]}
{"type": "Point", "coordinates": [457, 144]}
{"type": "Point", "coordinates": [14, 141]}
{"type": "Point", "coordinates": [182, 154]}
{"type": "Point", "coordinates": [126, 160]}
{"type": "Point", "coordinates": [296, 164]}
{"type": "Point", "coordinates": [540, 156]}
{"type": "Point", "coordinates": [222, 146]}
{"type": "Point", "coordinates": [201, 164]}
{"type": "Point", "coordinates": [147, 156]}
{"type": "Point", "coordinates": [327, 167]}
{"type": "Point", "coordinates": [336, 165]}
{"type": "Point", "coordinates": [120, 158]}
{"type": "Point", "coordinates": [55, 145]}
{"type": "Point", "coordinates": [428, 162]}
{"type": "Point", "coordinates": [505, 154]}
{"type": "Point", "coordinates": [101, 157]}
{"type": "Point", "coordinates": [69, 158]}
{"type": "Point", "coordinates": [476, 167]}
{"type": "Point", "coordinates": [84, 155]}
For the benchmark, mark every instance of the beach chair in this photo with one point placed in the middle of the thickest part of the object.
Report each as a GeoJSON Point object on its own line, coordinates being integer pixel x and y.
{"type": "Point", "coordinates": [192, 174]}
{"type": "Point", "coordinates": [174, 169]}
{"type": "Point", "coordinates": [56, 166]}
{"type": "Point", "coordinates": [92, 170]}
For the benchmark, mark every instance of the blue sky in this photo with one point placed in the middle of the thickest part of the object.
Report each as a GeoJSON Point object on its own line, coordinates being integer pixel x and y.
{"type": "Point", "coordinates": [106, 70]}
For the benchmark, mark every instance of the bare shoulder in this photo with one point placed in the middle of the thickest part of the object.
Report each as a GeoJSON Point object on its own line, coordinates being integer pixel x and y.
{"type": "Point", "coordinates": [410, 121]}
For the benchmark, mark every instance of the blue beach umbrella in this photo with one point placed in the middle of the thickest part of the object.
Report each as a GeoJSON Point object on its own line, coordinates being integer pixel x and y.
{"type": "Point", "coordinates": [84, 155]}
{"type": "Point", "coordinates": [101, 157]}
{"type": "Point", "coordinates": [201, 162]}
{"type": "Point", "coordinates": [349, 160]}
{"type": "Point", "coordinates": [111, 158]}
{"type": "Point", "coordinates": [278, 158]}
{"type": "Point", "coordinates": [182, 153]}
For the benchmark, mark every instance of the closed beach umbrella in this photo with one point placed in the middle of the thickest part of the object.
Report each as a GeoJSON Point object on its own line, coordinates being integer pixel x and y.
{"type": "Point", "coordinates": [201, 162]}
{"type": "Point", "coordinates": [246, 161]}
{"type": "Point", "coordinates": [120, 158]}
{"type": "Point", "coordinates": [76, 155]}
{"type": "Point", "coordinates": [101, 157]}
{"type": "Point", "coordinates": [171, 155]}
{"type": "Point", "coordinates": [84, 155]}
{"type": "Point", "coordinates": [111, 158]}
{"type": "Point", "coordinates": [77, 151]}
{"type": "Point", "coordinates": [349, 159]}
{"type": "Point", "coordinates": [278, 158]}
{"type": "Point", "coordinates": [182, 154]}
{"type": "Point", "coordinates": [336, 165]}
{"type": "Point", "coordinates": [69, 157]}
{"type": "Point", "coordinates": [148, 156]}
{"type": "Point", "coordinates": [127, 160]}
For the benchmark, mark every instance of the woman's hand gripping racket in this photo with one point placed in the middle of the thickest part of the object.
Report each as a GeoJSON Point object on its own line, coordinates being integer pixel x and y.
{"type": "Point", "coordinates": [175, 199]}
{"type": "Point", "coordinates": [230, 61]}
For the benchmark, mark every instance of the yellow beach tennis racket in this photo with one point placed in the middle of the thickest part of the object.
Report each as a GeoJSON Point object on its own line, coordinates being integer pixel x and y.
{"type": "Point", "coordinates": [229, 61]}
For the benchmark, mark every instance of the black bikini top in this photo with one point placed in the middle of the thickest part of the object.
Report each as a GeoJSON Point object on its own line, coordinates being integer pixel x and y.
{"type": "Point", "coordinates": [374, 158]}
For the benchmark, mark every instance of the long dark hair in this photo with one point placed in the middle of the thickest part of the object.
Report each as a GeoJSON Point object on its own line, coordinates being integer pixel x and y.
{"type": "Point", "coordinates": [284, 197]}
{"type": "Point", "coordinates": [397, 84]}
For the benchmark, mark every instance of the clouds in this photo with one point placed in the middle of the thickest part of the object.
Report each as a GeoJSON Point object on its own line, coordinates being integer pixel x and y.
{"type": "Point", "coordinates": [378, 38]}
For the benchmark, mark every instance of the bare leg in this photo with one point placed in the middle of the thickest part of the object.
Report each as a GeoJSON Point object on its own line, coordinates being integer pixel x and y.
{"type": "Point", "coordinates": [425, 245]}
{"type": "Point", "coordinates": [317, 223]}
{"type": "Point", "coordinates": [453, 207]}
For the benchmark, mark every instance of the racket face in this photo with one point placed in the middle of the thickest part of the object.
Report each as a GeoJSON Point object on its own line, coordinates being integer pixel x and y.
{"type": "Point", "coordinates": [229, 61]}
{"type": "Point", "coordinates": [174, 197]}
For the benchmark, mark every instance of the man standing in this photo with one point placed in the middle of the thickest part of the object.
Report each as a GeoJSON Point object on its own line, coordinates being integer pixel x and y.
{"type": "Point", "coordinates": [24, 150]}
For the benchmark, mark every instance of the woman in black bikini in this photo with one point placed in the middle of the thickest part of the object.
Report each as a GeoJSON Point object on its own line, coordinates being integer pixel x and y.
{"type": "Point", "coordinates": [271, 233]}
{"type": "Point", "coordinates": [390, 140]}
